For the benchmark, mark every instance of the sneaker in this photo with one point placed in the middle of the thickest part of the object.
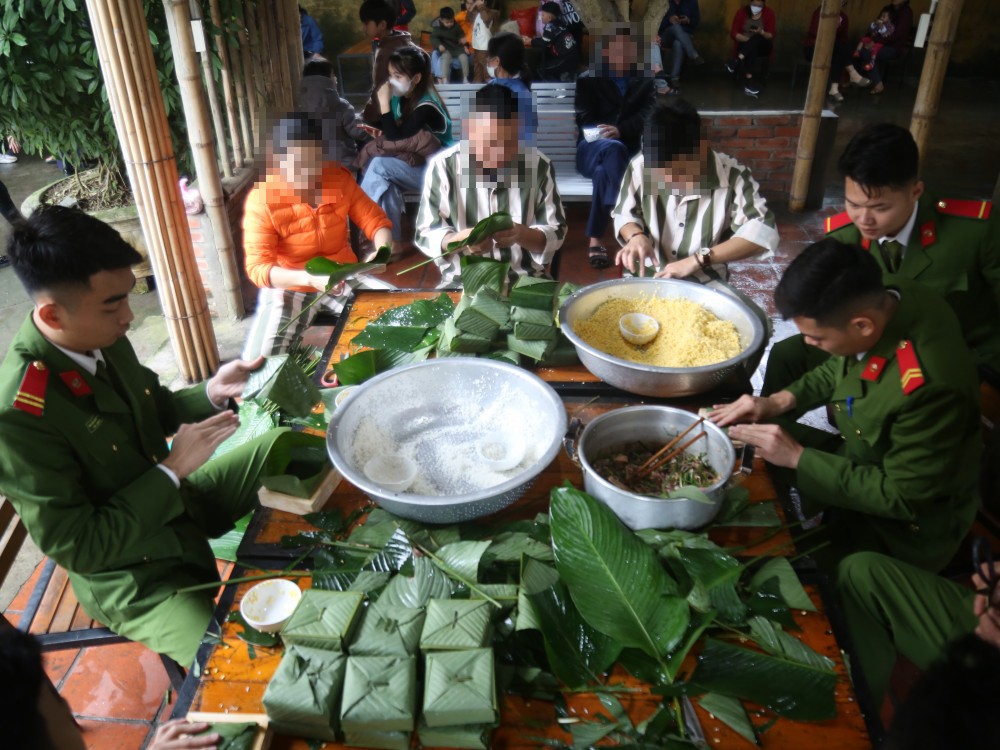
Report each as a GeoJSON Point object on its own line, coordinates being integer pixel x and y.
{"type": "Point", "coordinates": [7, 158]}
{"type": "Point", "coordinates": [752, 89]}
{"type": "Point", "coordinates": [4, 261]}
{"type": "Point", "coordinates": [731, 67]}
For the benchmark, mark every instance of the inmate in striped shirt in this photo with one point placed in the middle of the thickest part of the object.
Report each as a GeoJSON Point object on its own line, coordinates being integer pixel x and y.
{"type": "Point", "coordinates": [457, 195]}
{"type": "Point", "coordinates": [727, 203]}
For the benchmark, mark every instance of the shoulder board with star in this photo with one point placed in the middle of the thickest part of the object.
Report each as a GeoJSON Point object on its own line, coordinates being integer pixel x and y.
{"type": "Point", "coordinates": [911, 376]}
{"type": "Point", "coordinates": [833, 223]}
{"type": "Point", "coordinates": [30, 396]}
{"type": "Point", "coordinates": [965, 209]}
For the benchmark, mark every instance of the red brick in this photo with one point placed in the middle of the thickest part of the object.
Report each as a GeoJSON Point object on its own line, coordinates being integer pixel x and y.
{"type": "Point", "coordinates": [773, 142]}
{"type": "Point", "coordinates": [737, 121]}
{"type": "Point", "coordinates": [721, 132]}
{"type": "Point", "coordinates": [769, 164]}
{"type": "Point", "coordinates": [777, 120]}
{"type": "Point", "coordinates": [756, 132]}
{"type": "Point", "coordinates": [197, 237]}
{"type": "Point", "coordinates": [194, 222]}
{"type": "Point", "coordinates": [792, 132]}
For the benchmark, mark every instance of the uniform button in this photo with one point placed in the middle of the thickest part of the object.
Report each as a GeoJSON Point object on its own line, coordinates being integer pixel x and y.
{"type": "Point", "coordinates": [858, 433]}
{"type": "Point", "coordinates": [681, 224]}
{"type": "Point", "coordinates": [114, 447]}
{"type": "Point", "coordinates": [942, 204]}
{"type": "Point", "coordinates": [145, 558]}
{"type": "Point", "coordinates": [837, 407]}
{"type": "Point", "coordinates": [914, 528]}
{"type": "Point", "coordinates": [147, 392]}
{"type": "Point", "coordinates": [673, 252]}
{"type": "Point", "coordinates": [156, 458]}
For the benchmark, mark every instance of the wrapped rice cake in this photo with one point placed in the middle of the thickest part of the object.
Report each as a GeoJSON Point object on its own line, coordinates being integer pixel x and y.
{"type": "Point", "coordinates": [388, 631]}
{"type": "Point", "coordinates": [322, 619]}
{"type": "Point", "coordinates": [380, 694]}
{"type": "Point", "coordinates": [383, 740]}
{"type": "Point", "coordinates": [453, 624]}
{"type": "Point", "coordinates": [459, 688]}
{"type": "Point", "coordinates": [302, 697]}
{"type": "Point", "coordinates": [471, 736]}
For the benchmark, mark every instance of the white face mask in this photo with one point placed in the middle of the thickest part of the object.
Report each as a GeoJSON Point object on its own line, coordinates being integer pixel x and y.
{"type": "Point", "coordinates": [756, 9]}
{"type": "Point", "coordinates": [491, 71]}
{"type": "Point", "coordinates": [399, 88]}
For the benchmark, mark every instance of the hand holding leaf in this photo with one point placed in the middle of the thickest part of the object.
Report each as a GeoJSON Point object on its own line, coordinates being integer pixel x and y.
{"type": "Point", "coordinates": [484, 230]}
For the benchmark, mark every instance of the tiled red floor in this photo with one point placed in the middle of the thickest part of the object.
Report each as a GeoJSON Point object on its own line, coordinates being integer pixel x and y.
{"type": "Point", "coordinates": [115, 735]}
{"type": "Point", "coordinates": [118, 682]}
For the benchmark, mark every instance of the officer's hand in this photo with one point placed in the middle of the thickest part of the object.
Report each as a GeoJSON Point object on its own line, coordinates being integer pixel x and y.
{"type": "Point", "coordinates": [195, 443]}
{"type": "Point", "coordinates": [231, 378]}
{"type": "Point", "coordinates": [773, 443]}
{"type": "Point", "coordinates": [744, 409]}
{"type": "Point", "coordinates": [180, 733]}
{"type": "Point", "coordinates": [988, 627]}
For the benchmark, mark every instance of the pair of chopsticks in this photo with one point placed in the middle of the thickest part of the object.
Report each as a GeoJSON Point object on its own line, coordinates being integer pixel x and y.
{"type": "Point", "coordinates": [665, 454]}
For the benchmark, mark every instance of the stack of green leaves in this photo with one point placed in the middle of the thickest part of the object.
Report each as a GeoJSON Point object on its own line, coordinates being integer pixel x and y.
{"type": "Point", "coordinates": [280, 380]}
{"type": "Point", "coordinates": [302, 698]}
{"type": "Point", "coordinates": [322, 619]}
{"type": "Point", "coordinates": [295, 464]}
{"type": "Point", "coordinates": [388, 631]}
{"type": "Point", "coordinates": [379, 704]}
{"type": "Point", "coordinates": [459, 690]}
{"type": "Point", "coordinates": [456, 624]}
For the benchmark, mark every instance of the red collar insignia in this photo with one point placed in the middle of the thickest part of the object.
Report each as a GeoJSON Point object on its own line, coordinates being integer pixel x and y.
{"type": "Point", "coordinates": [75, 382]}
{"type": "Point", "coordinates": [873, 370]}
{"type": "Point", "coordinates": [927, 235]}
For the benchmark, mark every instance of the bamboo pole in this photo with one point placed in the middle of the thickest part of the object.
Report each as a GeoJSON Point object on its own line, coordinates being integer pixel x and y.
{"type": "Point", "coordinates": [280, 52]}
{"type": "Point", "coordinates": [815, 97]}
{"type": "Point", "coordinates": [225, 80]}
{"type": "Point", "coordinates": [239, 83]}
{"type": "Point", "coordinates": [268, 60]}
{"type": "Point", "coordinates": [203, 149]}
{"type": "Point", "coordinates": [256, 78]}
{"type": "Point", "coordinates": [935, 66]}
{"type": "Point", "coordinates": [296, 55]}
{"type": "Point", "coordinates": [122, 42]}
{"type": "Point", "coordinates": [213, 97]}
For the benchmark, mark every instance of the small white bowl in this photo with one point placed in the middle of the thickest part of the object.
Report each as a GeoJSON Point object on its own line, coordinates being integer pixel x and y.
{"type": "Point", "coordinates": [592, 134]}
{"type": "Point", "coordinates": [340, 397]}
{"type": "Point", "coordinates": [268, 605]}
{"type": "Point", "coordinates": [391, 472]}
{"type": "Point", "coordinates": [502, 452]}
{"type": "Point", "coordinates": [638, 328]}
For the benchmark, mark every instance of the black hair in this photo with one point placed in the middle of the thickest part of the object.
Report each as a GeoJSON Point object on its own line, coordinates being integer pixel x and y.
{"type": "Point", "coordinates": [318, 67]}
{"type": "Point", "coordinates": [447, 14]}
{"type": "Point", "coordinates": [21, 680]}
{"type": "Point", "coordinates": [509, 49]}
{"type": "Point", "coordinates": [829, 282]}
{"type": "Point", "coordinates": [954, 703]}
{"type": "Point", "coordinates": [411, 60]}
{"type": "Point", "coordinates": [295, 127]}
{"type": "Point", "coordinates": [377, 10]}
{"type": "Point", "coordinates": [673, 128]}
{"type": "Point", "coordinates": [58, 247]}
{"type": "Point", "coordinates": [496, 100]}
{"type": "Point", "coordinates": [553, 8]}
{"type": "Point", "coordinates": [881, 156]}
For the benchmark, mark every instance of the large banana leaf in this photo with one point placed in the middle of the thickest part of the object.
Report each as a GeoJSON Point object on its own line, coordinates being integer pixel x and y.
{"type": "Point", "coordinates": [730, 712]}
{"type": "Point", "coordinates": [716, 575]}
{"type": "Point", "coordinates": [255, 420]}
{"type": "Point", "coordinates": [405, 328]}
{"type": "Point", "coordinates": [770, 637]}
{"type": "Point", "coordinates": [498, 222]}
{"type": "Point", "coordinates": [291, 389]}
{"type": "Point", "coordinates": [791, 689]}
{"type": "Point", "coordinates": [340, 271]}
{"type": "Point", "coordinates": [479, 273]}
{"type": "Point", "coordinates": [462, 558]}
{"type": "Point", "coordinates": [614, 579]}
{"type": "Point", "coordinates": [427, 582]}
{"type": "Point", "coordinates": [577, 653]}
{"type": "Point", "coordinates": [788, 583]}
{"type": "Point", "coordinates": [511, 546]}
{"type": "Point", "coordinates": [357, 368]}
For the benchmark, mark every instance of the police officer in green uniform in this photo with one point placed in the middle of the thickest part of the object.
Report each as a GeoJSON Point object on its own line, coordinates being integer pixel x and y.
{"type": "Point", "coordinates": [83, 441]}
{"type": "Point", "coordinates": [950, 246]}
{"type": "Point", "coordinates": [901, 477]}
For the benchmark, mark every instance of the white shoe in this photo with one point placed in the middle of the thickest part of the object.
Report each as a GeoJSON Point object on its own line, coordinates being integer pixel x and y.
{"type": "Point", "coordinates": [7, 158]}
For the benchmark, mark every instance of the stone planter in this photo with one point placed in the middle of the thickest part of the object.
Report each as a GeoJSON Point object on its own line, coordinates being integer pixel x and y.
{"type": "Point", "coordinates": [125, 220]}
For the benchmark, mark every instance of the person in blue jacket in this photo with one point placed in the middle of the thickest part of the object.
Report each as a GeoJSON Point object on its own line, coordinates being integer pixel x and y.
{"type": "Point", "coordinates": [505, 67]}
{"type": "Point", "coordinates": [312, 37]}
{"type": "Point", "coordinates": [678, 24]}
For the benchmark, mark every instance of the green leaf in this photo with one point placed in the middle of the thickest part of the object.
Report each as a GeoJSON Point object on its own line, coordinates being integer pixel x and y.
{"type": "Point", "coordinates": [251, 634]}
{"type": "Point", "coordinates": [577, 653]}
{"type": "Point", "coordinates": [776, 641]}
{"type": "Point", "coordinates": [289, 484]}
{"type": "Point", "coordinates": [511, 546]}
{"type": "Point", "coordinates": [337, 272]}
{"type": "Point", "coordinates": [483, 273]}
{"type": "Point", "coordinates": [357, 368]}
{"type": "Point", "coordinates": [255, 420]}
{"type": "Point", "coordinates": [738, 511]}
{"type": "Point", "coordinates": [497, 222]}
{"type": "Point", "coordinates": [291, 389]}
{"type": "Point", "coordinates": [615, 580]}
{"type": "Point", "coordinates": [462, 558]}
{"type": "Point", "coordinates": [391, 337]}
{"type": "Point", "coordinates": [426, 583]}
{"type": "Point", "coordinates": [730, 712]}
{"type": "Point", "coordinates": [717, 575]}
{"type": "Point", "coordinates": [791, 689]}
{"type": "Point", "coordinates": [789, 585]}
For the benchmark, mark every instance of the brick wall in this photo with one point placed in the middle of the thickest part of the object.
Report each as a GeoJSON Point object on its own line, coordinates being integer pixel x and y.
{"type": "Point", "coordinates": [763, 141]}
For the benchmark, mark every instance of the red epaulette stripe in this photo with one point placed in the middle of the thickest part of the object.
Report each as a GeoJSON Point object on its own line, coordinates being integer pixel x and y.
{"type": "Point", "coordinates": [911, 376]}
{"type": "Point", "coordinates": [965, 209]}
{"type": "Point", "coordinates": [30, 396]}
{"type": "Point", "coordinates": [833, 223]}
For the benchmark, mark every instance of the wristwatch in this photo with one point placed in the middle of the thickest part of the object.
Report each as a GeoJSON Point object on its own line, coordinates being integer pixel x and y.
{"type": "Point", "coordinates": [704, 257]}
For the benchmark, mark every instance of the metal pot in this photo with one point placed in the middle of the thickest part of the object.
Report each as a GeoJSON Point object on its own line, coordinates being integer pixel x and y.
{"type": "Point", "coordinates": [655, 425]}
{"type": "Point", "coordinates": [647, 380]}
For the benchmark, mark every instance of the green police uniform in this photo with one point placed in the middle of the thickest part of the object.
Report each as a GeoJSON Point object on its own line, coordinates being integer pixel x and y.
{"type": "Point", "coordinates": [79, 463]}
{"type": "Point", "coordinates": [893, 607]}
{"type": "Point", "coordinates": [904, 478]}
{"type": "Point", "coordinates": [954, 249]}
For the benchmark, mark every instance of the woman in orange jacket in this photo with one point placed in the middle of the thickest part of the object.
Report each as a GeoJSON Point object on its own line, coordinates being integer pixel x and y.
{"type": "Point", "coordinates": [300, 211]}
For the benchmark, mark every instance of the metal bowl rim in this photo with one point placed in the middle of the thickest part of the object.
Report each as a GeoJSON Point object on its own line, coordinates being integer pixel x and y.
{"type": "Point", "coordinates": [627, 410]}
{"type": "Point", "coordinates": [755, 340]}
{"type": "Point", "coordinates": [359, 480]}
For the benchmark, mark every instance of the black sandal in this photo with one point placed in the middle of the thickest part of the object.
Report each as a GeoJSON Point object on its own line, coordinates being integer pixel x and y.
{"type": "Point", "coordinates": [598, 257]}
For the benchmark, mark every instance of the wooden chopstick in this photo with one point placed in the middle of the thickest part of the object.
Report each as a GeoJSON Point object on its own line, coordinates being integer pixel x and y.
{"type": "Point", "coordinates": [656, 456]}
{"type": "Point", "coordinates": [671, 455]}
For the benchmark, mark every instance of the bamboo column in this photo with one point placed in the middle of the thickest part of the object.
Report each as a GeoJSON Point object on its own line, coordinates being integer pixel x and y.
{"type": "Point", "coordinates": [256, 78]}
{"type": "Point", "coordinates": [213, 96]}
{"type": "Point", "coordinates": [225, 80]}
{"type": "Point", "coordinates": [935, 65]}
{"type": "Point", "coordinates": [237, 54]}
{"type": "Point", "coordinates": [819, 78]}
{"type": "Point", "coordinates": [268, 60]}
{"type": "Point", "coordinates": [122, 41]}
{"type": "Point", "coordinates": [279, 38]}
{"type": "Point", "coordinates": [293, 34]}
{"type": "Point", "coordinates": [203, 148]}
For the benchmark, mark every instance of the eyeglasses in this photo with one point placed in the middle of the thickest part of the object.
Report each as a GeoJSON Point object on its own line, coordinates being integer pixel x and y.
{"type": "Point", "coordinates": [982, 563]}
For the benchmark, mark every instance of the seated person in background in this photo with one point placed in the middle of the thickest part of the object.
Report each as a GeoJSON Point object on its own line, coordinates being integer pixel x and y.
{"type": "Point", "coordinates": [487, 172]}
{"type": "Point", "coordinates": [448, 41]}
{"type": "Point", "coordinates": [559, 48]}
{"type": "Point", "coordinates": [840, 49]}
{"type": "Point", "coordinates": [482, 18]}
{"type": "Point", "coordinates": [569, 16]}
{"type": "Point", "coordinates": [505, 66]}
{"type": "Point", "coordinates": [893, 607]}
{"type": "Point", "coordinates": [84, 457]}
{"type": "Point", "coordinates": [611, 109]}
{"type": "Point", "coordinates": [879, 32]}
{"type": "Point", "coordinates": [377, 20]}
{"type": "Point", "coordinates": [319, 98]}
{"type": "Point", "coordinates": [864, 69]}
{"type": "Point", "coordinates": [753, 32]}
{"type": "Point", "coordinates": [414, 124]}
{"type": "Point", "coordinates": [676, 28]}
{"type": "Point", "coordinates": [312, 37]}
{"type": "Point", "coordinates": [685, 211]}
{"type": "Point", "coordinates": [298, 212]}
{"type": "Point", "coordinates": [949, 246]}
{"type": "Point", "coordinates": [902, 476]}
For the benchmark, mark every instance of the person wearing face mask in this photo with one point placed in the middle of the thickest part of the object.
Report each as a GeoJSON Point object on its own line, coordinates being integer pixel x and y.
{"type": "Point", "coordinates": [752, 32]}
{"type": "Point", "coordinates": [299, 212]}
{"type": "Point", "coordinates": [686, 211]}
{"type": "Point", "coordinates": [491, 171]}
{"type": "Point", "coordinates": [414, 118]}
{"type": "Point", "coordinates": [505, 66]}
